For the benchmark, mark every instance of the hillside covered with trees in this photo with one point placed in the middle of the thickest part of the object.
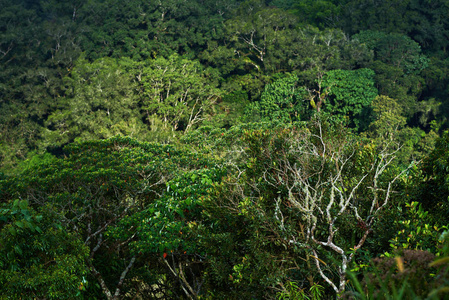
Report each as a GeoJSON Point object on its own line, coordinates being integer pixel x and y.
{"type": "Point", "coordinates": [224, 149]}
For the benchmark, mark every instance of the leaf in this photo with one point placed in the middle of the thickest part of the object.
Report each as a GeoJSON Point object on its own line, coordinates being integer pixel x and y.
{"type": "Point", "coordinates": [17, 249]}
{"type": "Point", "coordinates": [19, 224]}
{"type": "Point", "coordinates": [12, 230]}
{"type": "Point", "coordinates": [23, 204]}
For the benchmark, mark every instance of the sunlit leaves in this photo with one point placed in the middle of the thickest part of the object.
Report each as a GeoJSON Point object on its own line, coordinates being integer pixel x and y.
{"type": "Point", "coordinates": [177, 91]}
{"type": "Point", "coordinates": [101, 102]}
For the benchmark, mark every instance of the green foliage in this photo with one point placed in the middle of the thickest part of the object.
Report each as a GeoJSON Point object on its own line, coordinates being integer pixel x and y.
{"type": "Point", "coordinates": [388, 128]}
{"type": "Point", "coordinates": [395, 49]}
{"type": "Point", "coordinates": [278, 187]}
{"type": "Point", "coordinates": [421, 20]}
{"type": "Point", "coordinates": [398, 64]}
{"type": "Point", "coordinates": [433, 192]}
{"type": "Point", "coordinates": [387, 117]}
{"type": "Point", "coordinates": [93, 187]}
{"type": "Point", "coordinates": [417, 231]}
{"type": "Point", "coordinates": [322, 13]}
{"type": "Point", "coordinates": [292, 291]}
{"type": "Point", "coordinates": [143, 30]}
{"type": "Point", "coordinates": [171, 230]}
{"type": "Point", "coordinates": [177, 91]}
{"type": "Point", "coordinates": [227, 111]}
{"type": "Point", "coordinates": [411, 274]}
{"type": "Point", "coordinates": [166, 225]}
{"type": "Point", "coordinates": [282, 101]}
{"type": "Point", "coordinates": [269, 40]}
{"type": "Point", "coordinates": [349, 92]}
{"type": "Point", "coordinates": [101, 102]}
{"type": "Point", "coordinates": [39, 258]}
{"type": "Point", "coordinates": [222, 215]}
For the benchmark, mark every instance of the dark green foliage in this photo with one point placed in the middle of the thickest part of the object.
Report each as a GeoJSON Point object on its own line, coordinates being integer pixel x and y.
{"type": "Point", "coordinates": [143, 29]}
{"type": "Point", "coordinates": [409, 275]}
{"type": "Point", "coordinates": [420, 19]}
{"type": "Point", "coordinates": [394, 49]}
{"type": "Point", "coordinates": [39, 258]}
{"type": "Point", "coordinates": [433, 192]}
{"type": "Point", "coordinates": [398, 65]}
{"type": "Point", "coordinates": [321, 13]}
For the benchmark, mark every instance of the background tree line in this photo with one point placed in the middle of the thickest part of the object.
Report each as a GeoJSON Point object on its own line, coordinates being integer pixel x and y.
{"type": "Point", "coordinates": [65, 65]}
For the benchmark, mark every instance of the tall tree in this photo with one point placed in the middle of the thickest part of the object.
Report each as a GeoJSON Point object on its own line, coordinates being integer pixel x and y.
{"type": "Point", "coordinates": [317, 190]}
{"type": "Point", "coordinates": [177, 91]}
{"type": "Point", "coordinates": [96, 186]}
{"type": "Point", "coordinates": [101, 101]}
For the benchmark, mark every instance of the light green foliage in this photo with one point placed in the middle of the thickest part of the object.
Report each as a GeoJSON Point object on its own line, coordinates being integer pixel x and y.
{"type": "Point", "coordinates": [387, 118]}
{"type": "Point", "coordinates": [417, 231]}
{"type": "Point", "coordinates": [38, 257]}
{"type": "Point", "coordinates": [177, 91]}
{"type": "Point", "coordinates": [282, 101]}
{"type": "Point", "coordinates": [388, 123]}
{"type": "Point", "coordinates": [101, 101]}
{"type": "Point", "coordinates": [388, 127]}
{"type": "Point", "coordinates": [349, 93]}
{"type": "Point", "coordinates": [292, 291]}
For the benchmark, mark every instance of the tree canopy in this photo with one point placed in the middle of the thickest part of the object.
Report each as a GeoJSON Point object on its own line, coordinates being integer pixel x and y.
{"type": "Point", "coordinates": [224, 149]}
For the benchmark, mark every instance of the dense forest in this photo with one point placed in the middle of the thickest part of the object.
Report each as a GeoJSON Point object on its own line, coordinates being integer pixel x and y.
{"type": "Point", "coordinates": [224, 149]}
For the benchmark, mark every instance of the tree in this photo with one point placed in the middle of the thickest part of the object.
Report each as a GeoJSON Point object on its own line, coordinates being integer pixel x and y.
{"type": "Point", "coordinates": [143, 30]}
{"type": "Point", "coordinates": [177, 91]}
{"type": "Point", "coordinates": [322, 14]}
{"type": "Point", "coordinates": [270, 40]}
{"type": "Point", "coordinates": [39, 258]}
{"type": "Point", "coordinates": [419, 19]}
{"type": "Point", "coordinates": [101, 101]}
{"type": "Point", "coordinates": [398, 65]}
{"type": "Point", "coordinates": [433, 192]}
{"type": "Point", "coordinates": [282, 101]}
{"type": "Point", "coordinates": [317, 190]}
{"type": "Point", "coordinates": [92, 189]}
{"type": "Point", "coordinates": [388, 129]}
{"type": "Point", "coordinates": [173, 229]}
{"type": "Point", "coordinates": [348, 93]}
